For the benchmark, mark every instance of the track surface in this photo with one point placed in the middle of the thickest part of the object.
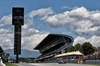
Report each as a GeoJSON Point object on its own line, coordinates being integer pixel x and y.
{"type": "Point", "coordinates": [50, 64]}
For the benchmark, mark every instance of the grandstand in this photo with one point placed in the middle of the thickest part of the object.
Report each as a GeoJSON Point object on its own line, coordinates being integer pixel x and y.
{"type": "Point", "coordinates": [3, 55]}
{"type": "Point", "coordinates": [52, 45]}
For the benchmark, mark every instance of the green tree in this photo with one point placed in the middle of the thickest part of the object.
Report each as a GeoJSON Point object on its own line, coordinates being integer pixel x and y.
{"type": "Point", "coordinates": [95, 48]}
{"type": "Point", "coordinates": [98, 48]}
{"type": "Point", "coordinates": [71, 48]}
{"type": "Point", "coordinates": [79, 47]}
{"type": "Point", "coordinates": [87, 48]}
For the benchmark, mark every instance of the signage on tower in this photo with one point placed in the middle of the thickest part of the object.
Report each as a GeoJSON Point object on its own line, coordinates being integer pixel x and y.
{"type": "Point", "coordinates": [18, 16]}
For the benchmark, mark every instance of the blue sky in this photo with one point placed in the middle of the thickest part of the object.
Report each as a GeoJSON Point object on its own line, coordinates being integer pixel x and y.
{"type": "Point", "coordinates": [77, 18]}
{"type": "Point", "coordinates": [6, 5]}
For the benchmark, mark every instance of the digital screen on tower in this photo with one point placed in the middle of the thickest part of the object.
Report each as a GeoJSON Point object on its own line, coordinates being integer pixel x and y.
{"type": "Point", "coordinates": [18, 16]}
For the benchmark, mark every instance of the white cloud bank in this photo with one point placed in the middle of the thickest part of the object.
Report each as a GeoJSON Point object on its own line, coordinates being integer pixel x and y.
{"type": "Point", "coordinates": [94, 40]}
{"type": "Point", "coordinates": [81, 20]}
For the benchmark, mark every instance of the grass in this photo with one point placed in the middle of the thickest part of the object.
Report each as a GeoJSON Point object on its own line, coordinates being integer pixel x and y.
{"type": "Point", "coordinates": [9, 64]}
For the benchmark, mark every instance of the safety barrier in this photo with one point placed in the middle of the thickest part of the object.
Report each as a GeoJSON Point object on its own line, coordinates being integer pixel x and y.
{"type": "Point", "coordinates": [92, 61]}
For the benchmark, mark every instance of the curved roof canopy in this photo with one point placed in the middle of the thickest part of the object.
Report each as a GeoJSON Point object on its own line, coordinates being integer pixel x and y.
{"type": "Point", "coordinates": [69, 53]}
{"type": "Point", "coordinates": [51, 37]}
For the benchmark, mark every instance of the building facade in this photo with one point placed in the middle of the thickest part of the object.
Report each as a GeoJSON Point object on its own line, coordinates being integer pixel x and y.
{"type": "Point", "coordinates": [52, 45]}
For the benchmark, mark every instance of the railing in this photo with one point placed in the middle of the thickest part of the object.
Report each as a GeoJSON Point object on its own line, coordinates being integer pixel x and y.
{"type": "Point", "coordinates": [51, 45]}
{"type": "Point", "coordinates": [63, 47]}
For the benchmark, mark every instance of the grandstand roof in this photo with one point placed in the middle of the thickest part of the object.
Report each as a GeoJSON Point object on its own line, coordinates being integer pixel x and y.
{"type": "Point", "coordinates": [69, 53]}
{"type": "Point", "coordinates": [1, 50]}
{"type": "Point", "coordinates": [49, 38]}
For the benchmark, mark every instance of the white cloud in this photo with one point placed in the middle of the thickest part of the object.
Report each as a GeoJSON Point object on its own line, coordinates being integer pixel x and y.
{"type": "Point", "coordinates": [64, 7]}
{"type": "Point", "coordinates": [43, 13]}
{"type": "Point", "coordinates": [81, 20]}
{"type": "Point", "coordinates": [6, 40]}
{"type": "Point", "coordinates": [94, 40]}
{"type": "Point", "coordinates": [6, 20]}
{"type": "Point", "coordinates": [80, 40]}
{"type": "Point", "coordinates": [30, 42]}
{"type": "Point", "coordinates": [3, 31]}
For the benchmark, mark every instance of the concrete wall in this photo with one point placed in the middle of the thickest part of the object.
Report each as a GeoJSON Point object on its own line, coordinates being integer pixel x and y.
{"type": "Point", "coordinates": [93, 61]}
{"type": "Point", "coordinates": [75, 61]}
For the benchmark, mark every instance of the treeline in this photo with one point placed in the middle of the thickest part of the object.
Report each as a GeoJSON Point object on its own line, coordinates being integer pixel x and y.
{"type": "Point", "coordinates": [85, 48]}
